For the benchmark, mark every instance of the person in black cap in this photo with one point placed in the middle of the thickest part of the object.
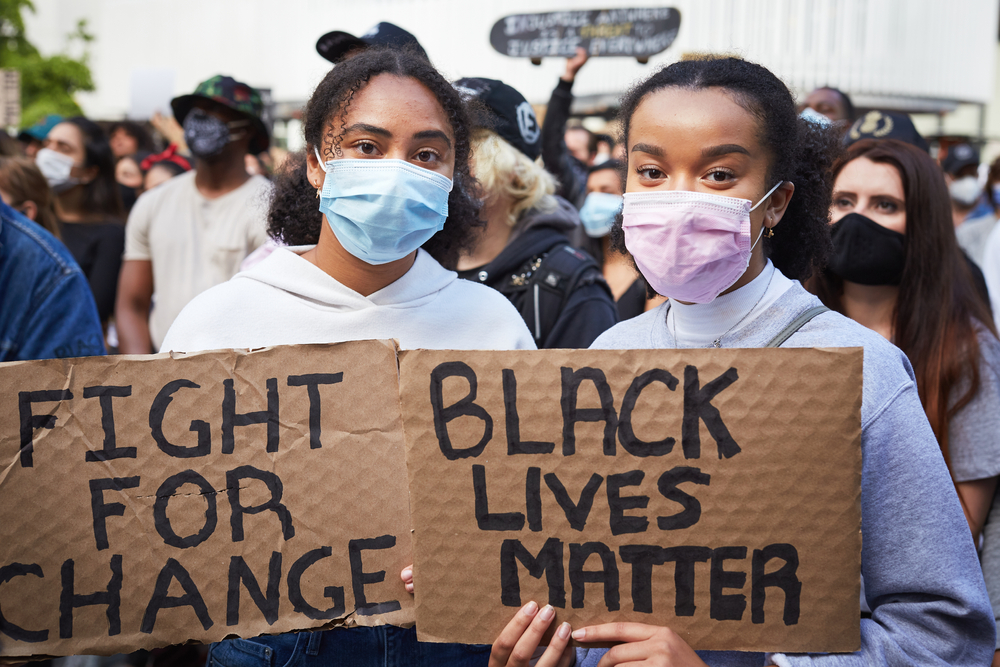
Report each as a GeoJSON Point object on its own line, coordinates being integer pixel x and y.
{"type": "Point", "coordinates": [525, 252]}
{"type": "Point", "coordinates": [885, 125]}
{"type": "Point", "coordinates": [337, 46]}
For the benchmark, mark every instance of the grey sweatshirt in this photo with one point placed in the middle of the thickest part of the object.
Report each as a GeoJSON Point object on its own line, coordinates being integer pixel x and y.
{"type": "Point", "coordinates": [922, 579]}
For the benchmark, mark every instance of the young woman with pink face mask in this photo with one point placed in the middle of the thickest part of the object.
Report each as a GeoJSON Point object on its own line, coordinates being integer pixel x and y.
{"type": "Point", "coordinates": [726, 209]}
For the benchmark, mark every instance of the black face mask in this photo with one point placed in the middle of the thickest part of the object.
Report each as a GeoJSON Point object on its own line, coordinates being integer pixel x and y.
{"type": "Point", "coordinates": [865, 252]}
{"type": "Point", "coordinates": [128, 196]}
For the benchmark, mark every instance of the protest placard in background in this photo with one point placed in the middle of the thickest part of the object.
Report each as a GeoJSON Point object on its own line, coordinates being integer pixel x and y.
{"type": "Point", "coordinates": [147, 501]}
{"type": "Point", "coordinates": [716, 492]}
{"type": "Point", "coordinates": [636, 32]}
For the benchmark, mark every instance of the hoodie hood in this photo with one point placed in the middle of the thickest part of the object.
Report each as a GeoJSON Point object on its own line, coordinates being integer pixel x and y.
{"type": "Point", "coordinates": [536, 233]}
{"type": "Point", "coordinates": [286, 270]}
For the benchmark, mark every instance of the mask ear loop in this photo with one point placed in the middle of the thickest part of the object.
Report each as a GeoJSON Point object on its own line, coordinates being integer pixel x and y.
{"type": "Point", "coordinates": [762, 199]}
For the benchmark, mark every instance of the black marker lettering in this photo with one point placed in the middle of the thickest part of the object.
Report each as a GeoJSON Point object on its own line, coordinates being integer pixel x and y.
{"type": "Point", "coordinates": [359, 578]}
{"type": "Point", "coordinates": [642, 558]}
{"type": "Point", "coordinates": [608, 574]}
{"type": "Point", "coordinates": [167, 491]}
{"type": "Point", "coordinates": [698, 407]}
{"type": "Point", "coordinates": [533, 498]}
{"type": "Point", "coordinates": [514, 443]}
{"type": "Point", "coordinates": [16, 632]}
{"type": "Point", "coordinates": [101, 510]}
{"type": "Point", "coordinates": [620, 522]}
{"type": "Point", "coordinates": [727, 607]}
{"type": "Point", "coordinates": [311, 382]}
{"type": "Point", "coordinates": [576, 513]}
{"type": "Point", "coordinates": [667, 484]}
{"type": "Point", "coordinates": [784, 578]}
{"type": "Point", "coordinates": [299, 604]}
{"type": "Point", "coordinates": [156, 413]}
{"type": "Point", "coordinates": [70, 600]}
{"type": "Point", "coordinates": [231, 419]}
{"type": "Point", "coordinates": [485, 520]}
{"type": "Point", "coordinates": [239, 572]}
{"type": "Point", "coordinates": [161, 600]}
{"type": "Point", "coordinates": [30, 422]}
{"type": "Point", "coordinates": [548, 562]}
{"type": "Point", "coordinates": [571, 414]}
{"type": "Point", "coordinates": [273, 504]}
{"type": "Point", "coordinates": [685, 558]}
{"type": "Point", "coordinates": [110, 451]}
{"type": "Point", "coordinates": [466, 406]}
{"type": "Point", "coordinates": [630, 443]}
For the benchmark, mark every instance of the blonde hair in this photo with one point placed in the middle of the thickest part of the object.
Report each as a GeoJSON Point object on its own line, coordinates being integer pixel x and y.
{"type": "Point", "coordinates": [501, 170]}
{"type": "Point", "coordinates": [21, 179]}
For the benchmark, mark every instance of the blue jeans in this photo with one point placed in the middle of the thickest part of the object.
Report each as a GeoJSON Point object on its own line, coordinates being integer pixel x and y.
{"type": "Point", "coordinates": [382, 646]}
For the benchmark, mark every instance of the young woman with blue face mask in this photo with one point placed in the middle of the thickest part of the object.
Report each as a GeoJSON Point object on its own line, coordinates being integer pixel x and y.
{"type": "Point", "coordinates": [373, 212]}
{"type": "Point", "coordinates": [716, 158]}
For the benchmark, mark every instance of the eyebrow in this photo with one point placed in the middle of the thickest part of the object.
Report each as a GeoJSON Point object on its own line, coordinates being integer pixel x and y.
{"type": "Point", "coordinates": [433, 134]}
{"type": "Point", "coordinates": [723, 149]}
{"type": "Point", "coordinates": [372, 129]}
{"type": "Point", "coordinates": [649, 149]}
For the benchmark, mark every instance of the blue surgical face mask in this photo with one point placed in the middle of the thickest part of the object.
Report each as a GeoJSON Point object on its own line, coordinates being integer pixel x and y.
{"type": "Point", "coordinates": [598, 213]}
{"type": "Point", "coordinates": [382, 210]}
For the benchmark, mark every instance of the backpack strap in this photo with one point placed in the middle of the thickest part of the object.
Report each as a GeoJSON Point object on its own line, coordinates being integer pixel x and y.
{"type": "Point", "coordinates": [547, 283]}
{"type": "Point", "coordinates": [795, 325]}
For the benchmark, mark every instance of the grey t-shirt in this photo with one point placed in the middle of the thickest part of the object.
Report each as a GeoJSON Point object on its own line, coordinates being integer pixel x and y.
{"type": "Point", "coordinates": [974, 447]}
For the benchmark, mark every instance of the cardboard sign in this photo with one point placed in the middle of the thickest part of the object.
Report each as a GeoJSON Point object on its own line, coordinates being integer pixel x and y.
{"type": "Point", "coordinates": [638, 32]}
{"type": "Point", "coordinates": [716, 492]}
{"type": "Point", "coordinates": [147, 501]}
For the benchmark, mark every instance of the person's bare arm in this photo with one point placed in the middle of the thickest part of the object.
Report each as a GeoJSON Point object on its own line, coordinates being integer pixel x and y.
{"type": "Point", "coordinates": [135, 293]}
{"type": "Point", "coordinates": [977, 498]}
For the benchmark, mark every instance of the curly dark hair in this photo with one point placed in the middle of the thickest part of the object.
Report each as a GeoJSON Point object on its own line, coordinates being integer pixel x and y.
{"type": "Point", "coordinates": [801, 152]}
{"type": "Point", "coordinates": [294, 216]}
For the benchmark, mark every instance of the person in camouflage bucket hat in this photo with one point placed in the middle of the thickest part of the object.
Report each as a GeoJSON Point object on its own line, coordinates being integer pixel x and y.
{"type": "Point", "coordinates": [233, 94]}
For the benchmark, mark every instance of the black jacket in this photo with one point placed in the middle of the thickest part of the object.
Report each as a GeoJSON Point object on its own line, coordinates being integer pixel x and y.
{"type": "Point", "coordinates": [584, 313]}
{"type": "Point", "coordinates": [570, 172]}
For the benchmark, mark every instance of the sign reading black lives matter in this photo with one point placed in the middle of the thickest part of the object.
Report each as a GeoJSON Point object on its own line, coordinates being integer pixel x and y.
{"type": "Point", "coordinates": [147, 501]}
{"type": "Point", "coordinates": [716, 492]}
{"type": "Point", "coordinates": [638, 32]}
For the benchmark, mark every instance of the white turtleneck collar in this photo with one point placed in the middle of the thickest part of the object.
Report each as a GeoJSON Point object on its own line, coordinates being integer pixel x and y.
{"type": "Point", "coordinates": [701, 324]}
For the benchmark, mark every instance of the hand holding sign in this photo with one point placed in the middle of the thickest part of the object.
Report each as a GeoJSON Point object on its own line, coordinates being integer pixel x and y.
{"type": "Point", "coordinates": [516, 645]}
{"type": "Point", "coordinates": [644, 645]}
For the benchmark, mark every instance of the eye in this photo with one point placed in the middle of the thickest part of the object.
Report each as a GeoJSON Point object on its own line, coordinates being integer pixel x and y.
{"type": "Point", "coordinates": [886, 206]}
{"type": "Point", "coordinates": [719, 175]}
{"type": "Point", "coordinates": [367, 148]}
{"type": "Point", "coordinates": [843, 202]}
{"type": "Point", "coordinates": [426, 156]}
{"type": "Point", "coordinates": [650, 173]}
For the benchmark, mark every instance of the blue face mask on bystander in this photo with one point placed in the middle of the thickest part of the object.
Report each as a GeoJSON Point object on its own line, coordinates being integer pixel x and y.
{"type": "Point", "coordinates": [598, 213]}
{"type": "Point", "coordinates": [382, 210]}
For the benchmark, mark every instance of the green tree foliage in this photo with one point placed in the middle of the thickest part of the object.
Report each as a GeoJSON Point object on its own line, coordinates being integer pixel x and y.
{"type": "Point", "coordinates": [48, 83]}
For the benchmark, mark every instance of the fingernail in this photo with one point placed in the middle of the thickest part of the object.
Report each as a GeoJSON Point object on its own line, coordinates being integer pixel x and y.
{"type": "Point", "coordinates": [563, 631]}
{"type": "Point", "coordinates": [407, 571]}
{"type": "Point", "coordinates": [547, 613]}
{"type": "Point", "coordinates": [579, 634]}
{"type": "Point", "coordinates": [529, 609]}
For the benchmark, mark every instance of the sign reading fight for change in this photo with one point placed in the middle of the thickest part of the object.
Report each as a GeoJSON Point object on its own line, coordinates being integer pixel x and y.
{"type": "Point", "coordinates": [147, 501]}
{"type": "Point", "coordinates": [638, 32]}
{"type": "Point", "coordinates": [714, 492]}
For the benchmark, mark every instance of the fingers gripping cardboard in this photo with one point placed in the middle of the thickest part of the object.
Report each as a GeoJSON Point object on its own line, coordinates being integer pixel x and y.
{"type": "Point", "coordinates": [715, 492]}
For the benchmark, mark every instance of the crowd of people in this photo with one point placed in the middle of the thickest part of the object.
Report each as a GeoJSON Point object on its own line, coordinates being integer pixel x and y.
{"type": "Point", "coordinates": [445, 215]}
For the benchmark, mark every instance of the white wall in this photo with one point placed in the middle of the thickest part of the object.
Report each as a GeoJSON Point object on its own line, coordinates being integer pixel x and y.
{"type": "Point", "coordinates": [931, 52]}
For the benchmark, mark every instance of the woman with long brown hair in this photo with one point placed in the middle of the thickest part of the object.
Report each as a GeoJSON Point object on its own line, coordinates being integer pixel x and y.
{"type": "Point", "coordinates": [898, 270]}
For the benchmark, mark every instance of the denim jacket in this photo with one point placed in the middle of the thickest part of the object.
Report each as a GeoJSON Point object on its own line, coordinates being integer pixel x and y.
{"type": "Point", "coordinates": [46, 307]}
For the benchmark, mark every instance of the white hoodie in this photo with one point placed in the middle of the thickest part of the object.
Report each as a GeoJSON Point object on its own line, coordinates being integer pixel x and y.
{"type": "Point", "coordinates": [286, 300]}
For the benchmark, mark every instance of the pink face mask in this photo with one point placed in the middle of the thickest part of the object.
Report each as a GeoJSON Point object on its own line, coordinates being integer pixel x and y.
{"type": "Point", "coordinates": [690, 246]}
